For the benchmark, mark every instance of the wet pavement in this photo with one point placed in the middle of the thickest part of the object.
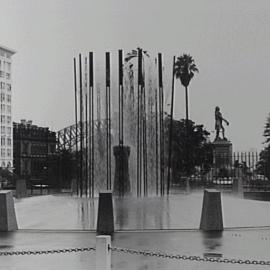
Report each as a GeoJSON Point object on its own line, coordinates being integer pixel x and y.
{"type": "Point", "coordinates": [179, 211]}
{"type": "Point", "coordinates": [164, 224]}
{"type": "Point", "coordinates": [244, 244]}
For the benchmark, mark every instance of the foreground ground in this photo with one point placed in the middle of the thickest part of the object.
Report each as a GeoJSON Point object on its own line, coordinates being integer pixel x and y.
{"type": "Point", "coordinates": [52, 222]}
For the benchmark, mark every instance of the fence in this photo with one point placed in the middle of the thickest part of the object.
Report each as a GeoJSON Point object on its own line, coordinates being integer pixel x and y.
{"type": "Point", "coordinates": [104, 251]}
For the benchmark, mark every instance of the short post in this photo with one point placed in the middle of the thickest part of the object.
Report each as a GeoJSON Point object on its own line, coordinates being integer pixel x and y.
{"type": "Point", "coordinates": [21, 188]}
{"type": "Point", "coordinates": [103, 252]}
{"type": "Point", "coordinates": [8, 220]}
{"type": "Point", "coordinates": [105, 221]}
{"type": "Point", "coordinates": [211, 218]}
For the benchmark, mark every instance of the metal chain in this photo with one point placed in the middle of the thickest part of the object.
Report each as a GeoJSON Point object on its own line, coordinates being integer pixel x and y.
{"type": "Point", "coordinates": [46, 252]}
{"type": "Point", "coordinates": [185, 257]}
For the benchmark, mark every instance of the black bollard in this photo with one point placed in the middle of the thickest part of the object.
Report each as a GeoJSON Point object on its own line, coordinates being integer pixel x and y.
{"type": "Point", "coordinates": [105, 222]}
{"type": "Point", "coordinates": [211, 218]}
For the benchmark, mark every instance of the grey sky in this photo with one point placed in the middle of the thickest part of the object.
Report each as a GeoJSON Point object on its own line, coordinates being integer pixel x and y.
{"type": "Point", "coordinates": [229, 41]}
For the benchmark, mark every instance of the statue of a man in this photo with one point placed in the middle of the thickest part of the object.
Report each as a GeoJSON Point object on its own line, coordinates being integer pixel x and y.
{"type": "Point", "coordinates": [218, 125]}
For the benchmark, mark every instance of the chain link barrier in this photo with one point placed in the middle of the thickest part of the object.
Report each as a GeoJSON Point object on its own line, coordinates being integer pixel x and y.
{"type": "Point", "coordinates": [46, 252]}
{"type": "Point", "coordinates": [190, 258]}
{"type": "Point", "coordinates": [148, 253]}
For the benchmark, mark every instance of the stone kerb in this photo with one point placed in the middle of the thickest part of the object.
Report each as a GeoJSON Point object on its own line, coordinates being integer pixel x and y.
{"type": "Point", "coordinates": [211, 217]}
{"type": "Point", "coordinates": [8, 220]}
{"type": "Point", "coordinates": [105, 221]}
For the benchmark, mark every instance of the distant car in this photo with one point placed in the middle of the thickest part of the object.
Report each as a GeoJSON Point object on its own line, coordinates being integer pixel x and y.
{"type": "Point", "coordinates": [223, 181]}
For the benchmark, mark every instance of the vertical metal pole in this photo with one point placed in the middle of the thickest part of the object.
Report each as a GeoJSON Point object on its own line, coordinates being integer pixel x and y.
{"type": "Point", "coordinates": [81, 127]}
{"type": "Point", "coordinates": [161, 123]}
{"type": "Point", "coordinates": [170, 133]}
{"type": "Point", "coordinates": [76, 126]}
{"type": "Point", "coordinates": [108, 120]}
{"type": "Point", "coordinates": [156, 118]}
{"type": "Point", "coordinates": [91, 77]}
{"type": "Point", "coordinates": [86, 129]}
{"type": "Point", "coordinates": [139, 124]}
{"type": "Point", "coordinates": [121, 128]}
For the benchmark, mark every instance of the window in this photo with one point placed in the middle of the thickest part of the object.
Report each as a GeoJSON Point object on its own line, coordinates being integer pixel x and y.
{"type": "Point", "coordinates": [8, 76]}
{"type": "Point", "coordinates": [8, 108]}
{"type": "Point", "coordinates": [9, 98]}
{"type": "Point", "coordinates": [2, 86]}
{"type": "Point", "coordinates": [3, 141]}
{"type": "Point", "coordinates": [8, 119]}
{"type": "Point", "coordinates": [3, 152]}
{"type": "Point", "coordinates": [9, 130]}
{"type": "Point", "coordinates": [3, 130]}
{"type": "Point", "coordinates": [2, 97]}
{"type": "Point", "coordinates": [8, 66]}
{"type": "Point", "coordinates": [3, 108]}
{"type": "Point", "coordinates": [8, 86]}
{"type": "Point", "coordinates": [2, 74]}
{"type": "Point", "coordinates": [9, 152]}
{"type": "Point", "coordinates": [8, 141]}
{"type": "Point", "coordinates": [3, 119]}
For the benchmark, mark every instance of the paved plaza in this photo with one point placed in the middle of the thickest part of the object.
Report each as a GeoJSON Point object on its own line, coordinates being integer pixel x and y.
{"type": "Point", "coordinates": [164, 224]}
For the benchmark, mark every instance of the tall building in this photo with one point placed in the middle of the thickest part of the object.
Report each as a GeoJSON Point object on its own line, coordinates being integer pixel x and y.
{"type": "Point", "coordinates": [34, 147]}
{"type": "Point", "coordinates": [6, 125]}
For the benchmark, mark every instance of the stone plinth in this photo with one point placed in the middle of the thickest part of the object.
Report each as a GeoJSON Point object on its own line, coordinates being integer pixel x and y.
{"type": "Point", "coordinates": [21, 189]}
{"type": "Point", "coordinates": [121, 185]}
{"type": "Point", "coordinates": [8, 220]}
{"type": "Point", "coordinates": [211, 218]}
{"type": "Point", "coordinates": [222, 153]}
{"type": "Point", "coordinates": [105, 221]}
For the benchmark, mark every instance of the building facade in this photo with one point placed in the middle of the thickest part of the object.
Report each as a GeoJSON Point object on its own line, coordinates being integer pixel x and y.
{"type": "Point", "coordinates": [6, 152]}
{"type": "Point", "coordinates": [34, 148]}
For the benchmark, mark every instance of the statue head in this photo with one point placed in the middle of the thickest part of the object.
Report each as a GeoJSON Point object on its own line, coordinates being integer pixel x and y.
{"type": "Point", "coordinates": [217, 109]}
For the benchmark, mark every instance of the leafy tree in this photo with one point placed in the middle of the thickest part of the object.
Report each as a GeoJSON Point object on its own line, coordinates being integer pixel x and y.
{"type": "Point", "coordinates": [263, 166]}
{"type": "Point", "coordinates": [199, 150]}
{"type": "Point", "coordinates": [184, 69]}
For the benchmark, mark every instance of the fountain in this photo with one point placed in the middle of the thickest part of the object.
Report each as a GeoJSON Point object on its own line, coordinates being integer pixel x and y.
{"type": "Point", "coordinates": [128, 123]}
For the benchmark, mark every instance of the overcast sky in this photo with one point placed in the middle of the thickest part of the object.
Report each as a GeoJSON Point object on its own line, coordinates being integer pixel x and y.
{"type": "Point", "coordinates": [229, 41]}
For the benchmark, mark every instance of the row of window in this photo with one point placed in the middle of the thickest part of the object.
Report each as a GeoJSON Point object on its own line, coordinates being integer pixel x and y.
{"type": "Point", "coordinates": [5, 141]}
{"type": "Point", "coordinates": [5, 130]}
{"type": "Point", "coordinates": [2, 75]}
{"type": "Point", "coordinates": [5, 54]}
{"type": "Point", "coordinates": [5, 108]}
{"type": "Point", "coordinates": [5, 66]}
{"type": "Point", "coordinates": [5, 119]}
{"type": "Point", "coordinates": [4, 152]}
{"type": "Point", "coordinates": [3, 164]}
{"type": "Point", "coordinates": [4, 86]}
{"type": "Point", "coordinates": [5, 97]}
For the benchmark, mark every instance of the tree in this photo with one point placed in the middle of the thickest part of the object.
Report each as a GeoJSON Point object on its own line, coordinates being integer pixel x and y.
{"type": "Point", "coordinates": [263, 166]}
{"type": "Point", "coordinates": [184, 69]}
{"type": "Point", "coordinates": [200, 151]}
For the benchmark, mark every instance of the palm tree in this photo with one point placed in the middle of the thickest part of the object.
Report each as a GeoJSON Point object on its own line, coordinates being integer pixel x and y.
{"type": "Point", "coordinates": [184, 69]}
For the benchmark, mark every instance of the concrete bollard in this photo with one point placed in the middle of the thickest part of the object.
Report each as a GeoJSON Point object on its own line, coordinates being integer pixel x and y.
{"type": "Point", "coordinates": [105, 221]}
{"type": "Point", "coordinates": [8, 220]}
{"type": "Point", "coordinates": [103, 252]}
{"type": "Point", "coordinates": [211, 218]}
{"type": "Point", "coordinates": [237, 187]}
{"type": "Point", "coordinates": [21, 189]}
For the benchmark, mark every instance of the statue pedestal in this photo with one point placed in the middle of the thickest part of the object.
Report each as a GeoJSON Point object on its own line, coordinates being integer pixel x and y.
{"type": "Point", "coordinates": [222, 155]}
{"type": "Point", "coordinates": [121, 185]}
